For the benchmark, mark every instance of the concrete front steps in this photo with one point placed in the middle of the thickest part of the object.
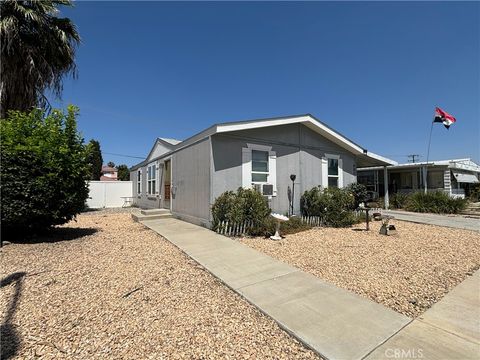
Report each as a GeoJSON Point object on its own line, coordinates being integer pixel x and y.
{"type": "Point", "coordinates": [152, 214]}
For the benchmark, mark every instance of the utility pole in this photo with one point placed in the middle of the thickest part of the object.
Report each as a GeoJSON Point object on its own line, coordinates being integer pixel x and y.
{"type": "Point", "coordinates": [413, 157]}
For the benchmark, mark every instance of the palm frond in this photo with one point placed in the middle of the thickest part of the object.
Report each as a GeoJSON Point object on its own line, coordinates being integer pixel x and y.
{"type": "Point", "coordinates": [37, 51]}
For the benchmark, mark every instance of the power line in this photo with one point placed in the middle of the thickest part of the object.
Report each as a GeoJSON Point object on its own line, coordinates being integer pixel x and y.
{"type": "Point", "coordinates": [129, 156]}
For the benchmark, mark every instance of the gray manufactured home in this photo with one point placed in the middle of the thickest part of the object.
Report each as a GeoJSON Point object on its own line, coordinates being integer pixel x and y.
{"type": "Point", "coordinates": [187, 176]}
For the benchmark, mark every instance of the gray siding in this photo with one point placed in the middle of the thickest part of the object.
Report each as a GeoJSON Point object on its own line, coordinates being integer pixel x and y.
{"type": "Point", "coordinates": [299, 151]}
{"type": "Point", "coordinates": [159, 150]}
{"type": "Point", "coordinates": [144, 200]}
{"type": "Point", "coordinates": [191, 183]}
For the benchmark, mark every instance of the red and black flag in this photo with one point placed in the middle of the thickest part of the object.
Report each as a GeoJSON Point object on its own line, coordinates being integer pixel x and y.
{"type": "Point", "coordinates": [443, 117]}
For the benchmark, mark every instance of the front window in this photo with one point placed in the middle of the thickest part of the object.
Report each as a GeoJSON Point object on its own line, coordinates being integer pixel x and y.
{"type": "Point", "coordinates": [139, 181]}
{"type": "Point", "coordinates": [260, 169]}
{"type": "Point", "coordinates": [151, 179]}
{"type": "Point", "coordinates": [332, 172]}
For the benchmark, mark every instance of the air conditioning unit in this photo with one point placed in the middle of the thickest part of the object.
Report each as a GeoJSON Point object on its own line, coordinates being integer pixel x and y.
{"type": "Point", "coordinates": [267, 189]}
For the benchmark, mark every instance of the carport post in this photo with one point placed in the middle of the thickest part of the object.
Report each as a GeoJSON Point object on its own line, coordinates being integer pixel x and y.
{"type": "Point", "coordinates": [385, 186]}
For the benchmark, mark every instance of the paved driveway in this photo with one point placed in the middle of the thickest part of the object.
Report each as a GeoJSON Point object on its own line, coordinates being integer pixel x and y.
{"type": "Point", "coordinates": [453, 221]}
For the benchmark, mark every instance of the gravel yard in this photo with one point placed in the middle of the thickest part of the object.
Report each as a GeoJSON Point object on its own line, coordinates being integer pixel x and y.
{"type": "Point", "coordinates": [407, 272]}
{"type": "Point", "coordinates": [106, 287]}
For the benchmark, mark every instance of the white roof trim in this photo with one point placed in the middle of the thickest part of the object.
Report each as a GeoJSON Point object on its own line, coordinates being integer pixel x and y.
{"type": "Point", "coordinates": [307, 120]}
{"type": "Point", "coordinates": [170, 141]}
{"type": "Point", "coordinates": [381, 158]}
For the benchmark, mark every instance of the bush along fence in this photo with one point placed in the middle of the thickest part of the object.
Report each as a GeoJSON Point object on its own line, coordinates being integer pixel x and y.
{"type": "Point", "coordinates": [243, 228]}
{"type": "Point", "coordinates": [246, 211]}
{"type": "Point", "coordinates": [316, 221]}
{"type": "Point", "coordinates": [313, 220]}
{"type": "Point", "coordinates": [234, 229]}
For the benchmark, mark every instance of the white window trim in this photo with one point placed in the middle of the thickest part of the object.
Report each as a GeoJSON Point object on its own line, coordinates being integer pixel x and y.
{"type": "Point", "coordinates": [247, 166]}
{"type": "Point", "coordinates": [325, 175]}
{"type": "Point", "coordinates": [139, 181]}
{"type": "Point", "coordinates": [160, 166]}
{"type": "Point", "coordinates": [152, 190]}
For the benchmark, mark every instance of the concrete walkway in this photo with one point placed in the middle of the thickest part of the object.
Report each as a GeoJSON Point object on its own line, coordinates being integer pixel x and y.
{"type": "Point", "coordinates": [334, 322]}
{"type": "Point", "coordinates": [453, 221]}
{"type": "Point", "coordinates": [450, 329]}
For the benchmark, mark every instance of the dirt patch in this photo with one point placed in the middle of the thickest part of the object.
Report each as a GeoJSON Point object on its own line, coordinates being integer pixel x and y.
{"type": "Point", "coordinates": [407, 272]}
{"type": "Point", "coordinates": [122, 291]}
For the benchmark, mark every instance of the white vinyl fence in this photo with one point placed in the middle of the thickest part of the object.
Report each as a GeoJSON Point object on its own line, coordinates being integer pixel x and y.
{"type": "Point", "coordinates": [108, 194]}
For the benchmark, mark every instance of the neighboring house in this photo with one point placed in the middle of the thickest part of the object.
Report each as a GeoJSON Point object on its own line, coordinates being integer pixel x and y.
{"type": "Point", "coordinates": [186, 177]}
{"type": "Point", "coordinates": [455, 177]}
{"type": "Point", "coordinates": [109, 173]}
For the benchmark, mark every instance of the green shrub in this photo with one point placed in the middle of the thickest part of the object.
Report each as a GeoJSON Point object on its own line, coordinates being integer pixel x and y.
{"type": "Point", "coordinates": [222, 207]}
{"type": "Point", "coordinates": [359, 192]}
{"type": "Point", "coordinates": [398, 200]}
{"type": "Point", "coordinates": [246, 205]}
{"type": "Point", "coordinates": [332, 205]}
{"type": "Point", "coordinates": [434, 202]}
{"type": "Point", "coordinates": [43, 171]}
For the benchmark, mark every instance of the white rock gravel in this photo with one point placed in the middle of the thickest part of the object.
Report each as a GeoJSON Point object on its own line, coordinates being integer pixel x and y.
{"type": "Point", "coordinates": [74, 300]}
{"type": "Point", "coordinates": [407, 272]}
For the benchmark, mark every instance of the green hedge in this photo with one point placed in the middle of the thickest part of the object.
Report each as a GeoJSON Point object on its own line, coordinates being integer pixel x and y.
{"type": "Point", "coordinates": [43, 172]}
{"type": "Point", "coordinates": [333, 205]}
{"type": "Point", "coordinates": [434, 202]}
{"type": "Point", "coordinates": [245, 205]}
{"type": "Point", "coordinates": [248, 205]}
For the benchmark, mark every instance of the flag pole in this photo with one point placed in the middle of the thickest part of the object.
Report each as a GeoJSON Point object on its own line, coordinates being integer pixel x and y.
{"type": "Point", "coordinates": [425, 177]}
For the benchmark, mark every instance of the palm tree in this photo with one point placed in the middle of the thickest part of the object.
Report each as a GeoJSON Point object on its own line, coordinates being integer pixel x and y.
{"type": "Point", "coordinates": [37, 50]}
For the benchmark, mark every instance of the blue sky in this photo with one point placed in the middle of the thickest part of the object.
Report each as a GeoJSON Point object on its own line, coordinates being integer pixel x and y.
{"type": "Point", "coordinates": [374, 71]}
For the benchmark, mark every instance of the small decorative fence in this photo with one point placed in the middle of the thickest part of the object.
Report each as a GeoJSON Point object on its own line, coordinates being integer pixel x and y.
{"type": "Point", "coordinates": [313, 220]}
{"type": "Point", "coordinates": [234, 229]}
{"type": "Point", "coordinates": [241, 229]}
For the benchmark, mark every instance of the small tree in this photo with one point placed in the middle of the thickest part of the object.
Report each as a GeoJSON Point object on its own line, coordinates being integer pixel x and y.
{"type": "Point", "coordinates": [94, 159]}
{"type": "Point", "coordinates": [44, 170]}
{"type": "Point", "coordinates": [123, 173]}
{"type": "Point", "coordinates": [111, 164]}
